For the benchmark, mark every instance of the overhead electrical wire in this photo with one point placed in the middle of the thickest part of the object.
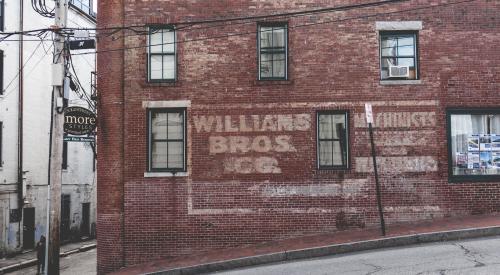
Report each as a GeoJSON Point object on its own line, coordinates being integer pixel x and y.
{"type": "Point", "coordinates": [40, 7]}
{"type": "Point", "coordinates": [289, 27]}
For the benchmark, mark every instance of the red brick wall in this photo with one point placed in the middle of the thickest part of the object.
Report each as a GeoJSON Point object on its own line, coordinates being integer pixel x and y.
{"type": "Point", "coordinates": [332, 66]}
{"type": "Point", "coordinates": [110, 149]}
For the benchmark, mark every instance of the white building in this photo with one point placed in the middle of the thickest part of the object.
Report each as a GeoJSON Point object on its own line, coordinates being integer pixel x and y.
{"type": "Point", "coordinates": [24, 135]}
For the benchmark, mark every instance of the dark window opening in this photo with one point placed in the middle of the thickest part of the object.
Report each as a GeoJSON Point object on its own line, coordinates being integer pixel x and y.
{"type": "Point", "coordinates": [273, 51]}
{"type": "Point", "coordinates": [332, 143]}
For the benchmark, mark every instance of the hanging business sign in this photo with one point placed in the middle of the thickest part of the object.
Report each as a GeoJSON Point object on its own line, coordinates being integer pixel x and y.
{"type": "Point", "coordinates": [79, 121]}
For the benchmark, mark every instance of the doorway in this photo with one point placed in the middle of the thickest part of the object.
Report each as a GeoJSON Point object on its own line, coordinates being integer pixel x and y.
{"type": "Point", "coordinates": [29, 228]}
{"type": "Point", "coordinates": [65, 217]}
{"type": "Point", "coordinates": [85, 227]}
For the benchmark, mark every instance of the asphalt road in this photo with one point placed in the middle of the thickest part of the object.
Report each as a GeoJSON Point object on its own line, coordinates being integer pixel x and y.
{"type": "Point", "coordinates": [83, 263]}
{"type": "Point", "coordinates": [475, 256]}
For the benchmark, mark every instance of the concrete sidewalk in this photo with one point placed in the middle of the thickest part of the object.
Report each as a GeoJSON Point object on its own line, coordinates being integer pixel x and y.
{"type": "Point", "coordinates": [324, 245]}
{"type": "Point", "coordinates": [28, 258]}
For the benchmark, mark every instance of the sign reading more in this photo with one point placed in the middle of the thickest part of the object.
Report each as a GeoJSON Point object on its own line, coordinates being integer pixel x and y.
{"type": "Point", "coordinates": [79, 121]}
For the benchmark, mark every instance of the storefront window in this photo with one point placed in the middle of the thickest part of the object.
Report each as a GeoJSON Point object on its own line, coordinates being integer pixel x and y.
{"type": "Point", "coordinates": [474, 144]}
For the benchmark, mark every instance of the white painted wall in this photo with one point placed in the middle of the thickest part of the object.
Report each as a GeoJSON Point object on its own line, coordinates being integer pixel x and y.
{"type": "Point", "coordinates": [79, 178]}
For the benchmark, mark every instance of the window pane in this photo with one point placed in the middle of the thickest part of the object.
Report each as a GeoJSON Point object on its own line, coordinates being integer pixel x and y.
{"type": "Point", "coordinates": [266, 65]}
{"type": "Point", "coordinates": [326, 153]}
{"type": "Point", "coordinates": [405, 62]}
{"type": "Point", "coordinates": [279, 65]}
{"type": "Point", "coordinates": [169, 67]}
{"type": "Point", "coordinates": [386, 62]}
{"type": "Point", "coordinates": [279, 37]}
{"type": "Point", "coordinates": [159, 155]}
{"type": "Point", "coordinates": [325, 127]}
{"type": "Point", "coordinates": [168, 41]}
{"type": "Point", "coordinates": [155, 41]}
{"type": "Point", "coordinates": [388, 46]}
{"type": "Point", "coordinates": [175, 155]}
{"type": "Point", "coordinates": [337, 153]}
{"type": "Point", "coordinates": [155, 67]}
{"type": "Point", "coordinates": [266, 37]}
{"type": "Point", "coordinates": [175, 126]}
{"type": "Point", "coordinates": [339, 124]}
{"type": "Point", "coordinates": [159, 126]}
{"type": "Point", "coordinates": [405, 51]}
{"type": "Point", "coordinates": [405, 43]}
{"type": "Point", "coordinates": [475, 144]}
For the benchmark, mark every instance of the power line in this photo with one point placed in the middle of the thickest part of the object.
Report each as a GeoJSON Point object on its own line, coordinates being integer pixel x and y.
{"type": "Point", "coordinates": [22, 67]}
{"type": "Point", "coordinates": [210, 21]}
{"type": "Point", "coordinates": [28, 73]}
{"type": "Point", "coordinates": [290, 27]}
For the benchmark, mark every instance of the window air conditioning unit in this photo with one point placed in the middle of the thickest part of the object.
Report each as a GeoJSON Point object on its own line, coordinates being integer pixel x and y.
{"type": "Point", "coordinates": [399, 71]}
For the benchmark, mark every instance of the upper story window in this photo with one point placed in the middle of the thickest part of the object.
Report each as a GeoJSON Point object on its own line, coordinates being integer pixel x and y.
{"type": "Point", "coordinates": [86, 6]}
{"type": "Point", "coordinates": [474, 144]}
{"type": "Point", "coordinates": [161, 54]}
{"type": "Point", "coordinates": [167, 140]}
{"type": "Point", "coordinates": [332, 143]}
{"type": "Point", "coordinates": [398, 55]}
{"type": "Point", "coordinates": [273, 51]}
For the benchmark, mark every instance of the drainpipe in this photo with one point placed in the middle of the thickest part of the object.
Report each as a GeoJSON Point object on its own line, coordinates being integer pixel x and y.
{"type": "Point", "coordinates": [20, 197]}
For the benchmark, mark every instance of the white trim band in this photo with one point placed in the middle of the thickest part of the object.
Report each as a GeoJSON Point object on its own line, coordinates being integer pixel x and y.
{"type": "Point", "coordinates": [167, 104]}
{"type": "Point", "coordinates": [398, 25]}
{"type": "Point", "coordinates": [164, 174]}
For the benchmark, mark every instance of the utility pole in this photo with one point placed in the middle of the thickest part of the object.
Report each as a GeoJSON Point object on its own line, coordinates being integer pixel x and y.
{"type": "Point", "coordinates": [56, 137]}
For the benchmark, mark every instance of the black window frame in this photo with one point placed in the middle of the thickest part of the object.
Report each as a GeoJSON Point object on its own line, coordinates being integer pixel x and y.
{"type": "Point", "coordinates": [152, 28]}
{"type": "Point", "coordinates": [64, 163]}
{"type": "Point", "coordinates": [88, 10]}
{"type": "Point", "coordinates": [343, 141]}
{"type": "Point", "coordinates": [150, 112]}
{"type": "Point", "coordinates": [272, 50]}
{"type": "Point", "coordinates": [1, 72]}
{"type": "Point", "coordinates": [415, 57]}
{"type": "Point", "coordinates": [466, 111]}
{"type": "Point", "coordinates": [2, 15]}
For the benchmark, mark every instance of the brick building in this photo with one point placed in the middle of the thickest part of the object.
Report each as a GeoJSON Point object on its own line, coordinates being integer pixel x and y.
{"type": "Point", "coordinates": [226, 133]}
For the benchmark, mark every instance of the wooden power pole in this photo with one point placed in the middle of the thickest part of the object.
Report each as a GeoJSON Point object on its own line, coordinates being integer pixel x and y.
{"type": "Point", "coordinates": [56, 140]}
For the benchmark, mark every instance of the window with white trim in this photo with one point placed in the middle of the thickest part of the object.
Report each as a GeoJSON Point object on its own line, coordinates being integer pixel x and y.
{"type": "Point", "coordinates": [398, 55]}
{"type": "Point", "coordinates": [167, 140]}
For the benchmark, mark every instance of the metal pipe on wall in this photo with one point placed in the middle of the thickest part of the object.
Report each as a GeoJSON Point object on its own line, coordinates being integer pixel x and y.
{"type": "Point", "coordinates": [20, 195]}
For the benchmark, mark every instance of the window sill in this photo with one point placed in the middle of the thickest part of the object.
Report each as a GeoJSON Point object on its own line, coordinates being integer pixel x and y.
{"type": "Point", "coordinates": [165, 83]}
{"type": "Point", "coordinates": [401, 82]}
{"type": "Point", "coordinates": [272, 82]}
{"type": "Point", "coordinates": [164, 174]}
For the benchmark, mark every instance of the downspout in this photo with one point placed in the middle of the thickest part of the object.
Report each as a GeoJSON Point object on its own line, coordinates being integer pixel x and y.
{"type": "Point", "coordinates": [20, 195]}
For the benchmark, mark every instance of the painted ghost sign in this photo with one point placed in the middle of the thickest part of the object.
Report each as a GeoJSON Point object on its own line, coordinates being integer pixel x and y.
{"type": "Point", "coordinates": [257, 134]}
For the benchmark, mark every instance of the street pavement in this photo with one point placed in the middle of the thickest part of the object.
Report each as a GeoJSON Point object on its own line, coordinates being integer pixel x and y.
{"type": "Point", "coordinates": [473, 256]}
{"type": "Point", "coordinates": [83, 263]}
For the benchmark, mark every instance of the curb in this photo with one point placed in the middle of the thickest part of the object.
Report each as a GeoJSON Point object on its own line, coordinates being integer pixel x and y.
{"type": "Point", "coordinates": [330, 250]}
{"type": "Point", "coordinates": [32, 262]}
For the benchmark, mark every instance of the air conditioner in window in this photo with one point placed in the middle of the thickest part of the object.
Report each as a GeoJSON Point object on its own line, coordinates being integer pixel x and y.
{"type": "Point", "coordinates": [399, 71]}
